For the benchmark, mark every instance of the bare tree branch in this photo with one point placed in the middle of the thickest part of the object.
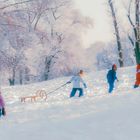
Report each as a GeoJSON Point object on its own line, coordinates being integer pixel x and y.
{"type": "Point", "coordinates": [129, 14]}
{"type": "Point", "coordinates": [14, 4]}
{"type": "Point", "coordinates": [131, 40]}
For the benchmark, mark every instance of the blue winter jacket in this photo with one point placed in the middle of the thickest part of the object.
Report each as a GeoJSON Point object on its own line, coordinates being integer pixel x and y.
{"type": "Point", "coordinates": [111, 76]}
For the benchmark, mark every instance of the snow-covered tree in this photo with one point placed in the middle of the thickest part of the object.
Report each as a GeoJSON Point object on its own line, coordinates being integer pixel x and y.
{"type": "Point", "coordinates": [44, 39]}
{"type": "Point", "coordinates": [117, 33]}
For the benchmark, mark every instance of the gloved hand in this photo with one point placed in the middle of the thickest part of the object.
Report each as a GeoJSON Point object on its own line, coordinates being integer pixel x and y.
{"type": "Point", "coordinates": [68, 82]}
{"type": "Point", "coordinates": [85, 86]}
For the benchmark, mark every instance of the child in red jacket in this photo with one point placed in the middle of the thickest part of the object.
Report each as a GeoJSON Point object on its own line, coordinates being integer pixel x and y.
{"type": "Point", "coordinates": [137, 83]}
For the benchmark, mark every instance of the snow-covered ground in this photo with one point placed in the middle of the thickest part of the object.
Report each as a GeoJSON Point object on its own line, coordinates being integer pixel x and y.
{"type": "Point", "coordinates": [96, 116]}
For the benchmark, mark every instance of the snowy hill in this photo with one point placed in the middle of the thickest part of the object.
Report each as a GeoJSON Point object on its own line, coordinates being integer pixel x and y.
{"type": "Point", "coordinates": [96, 116]}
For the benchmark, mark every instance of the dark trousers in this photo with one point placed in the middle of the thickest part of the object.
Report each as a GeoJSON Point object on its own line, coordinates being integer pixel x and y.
{"type": "Point", "coordinates": [136, 86]}
{"type": "Point", "coordinates": [2, 112]}
{"type": "Point", "coordinates": [74, 90]}
{"type": "Point", "coordinates": [111, 87]}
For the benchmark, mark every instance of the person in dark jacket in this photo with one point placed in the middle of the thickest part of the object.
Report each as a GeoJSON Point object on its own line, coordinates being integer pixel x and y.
{"type": "Point", "coordinates": [111, 77]}
{"type": "Point", "coordinates": [2, 106]}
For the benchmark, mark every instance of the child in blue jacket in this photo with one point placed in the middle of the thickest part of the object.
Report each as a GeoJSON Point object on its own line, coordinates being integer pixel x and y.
{"type": "Point", "coordinates": [77, 80]}
{"type": "Point", "coordinates": [111, 77]}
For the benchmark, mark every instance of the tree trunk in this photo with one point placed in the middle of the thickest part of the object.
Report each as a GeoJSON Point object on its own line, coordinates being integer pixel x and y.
{"type": "Point", "coordinates": [21, 77]}
{"type": "Point", "coordinates": [27, 73]}
{"type": "Point", "coordinates": [137, 31]}
{"type": "Point", "coordinates": [47, 67]}
{"type": "Point", "coordinates": [117, 33]}
{"type": "Point", "coordinates": [12, 80]}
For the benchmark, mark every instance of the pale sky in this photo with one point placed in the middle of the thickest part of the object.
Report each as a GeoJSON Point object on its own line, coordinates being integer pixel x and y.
{"type": "Point", "coordinates": [98, 10]}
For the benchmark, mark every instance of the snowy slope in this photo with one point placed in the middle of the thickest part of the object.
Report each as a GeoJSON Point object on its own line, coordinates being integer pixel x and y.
{"type": "Point", "coordinates": [96, 116]}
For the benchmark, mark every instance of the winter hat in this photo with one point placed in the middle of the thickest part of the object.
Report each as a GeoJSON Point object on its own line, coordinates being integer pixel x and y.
{"type": "Point", "coordinates": [81, 72]}
{"type": "Point", "coordinates": [114, 66]}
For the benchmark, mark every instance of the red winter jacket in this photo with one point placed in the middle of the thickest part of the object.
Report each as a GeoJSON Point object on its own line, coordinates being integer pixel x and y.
{"type": "Point", "coordinates": [138, 75]}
